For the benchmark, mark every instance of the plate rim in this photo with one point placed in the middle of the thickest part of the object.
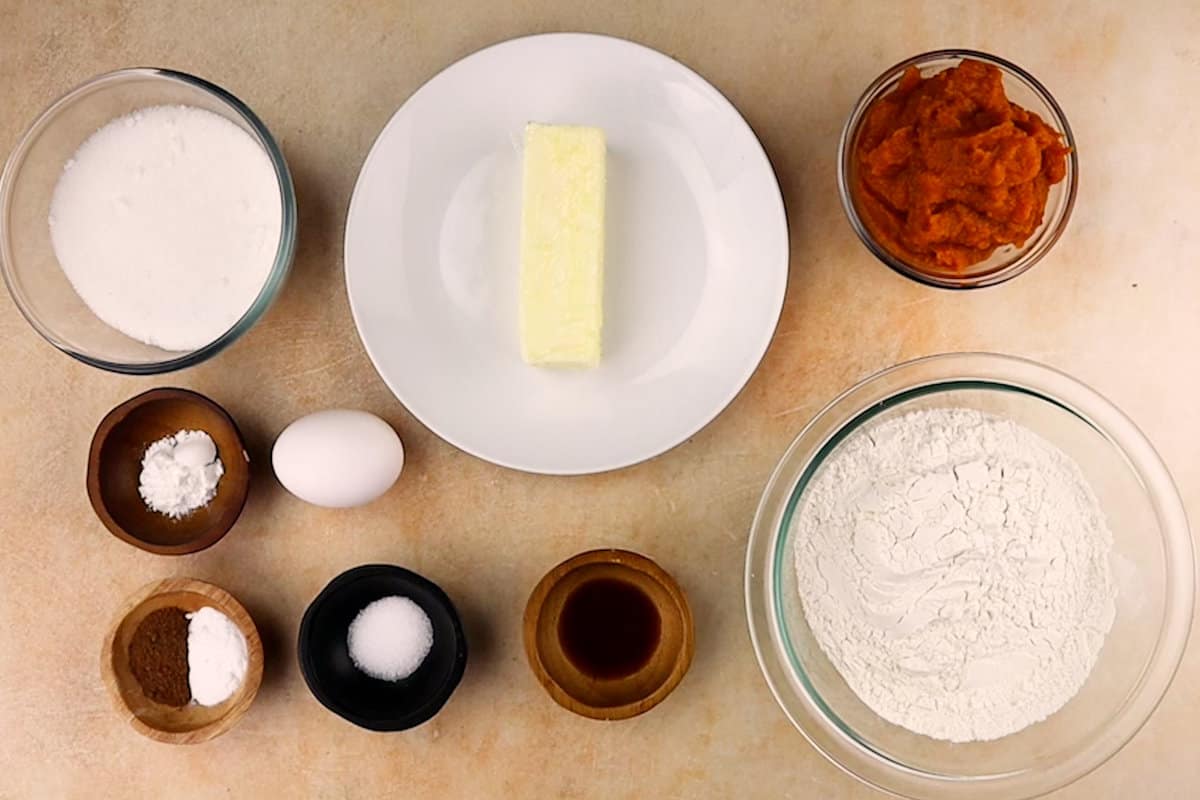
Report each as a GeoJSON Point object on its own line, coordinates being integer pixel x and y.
{"type": "Point", "coordinates": [609, 465]}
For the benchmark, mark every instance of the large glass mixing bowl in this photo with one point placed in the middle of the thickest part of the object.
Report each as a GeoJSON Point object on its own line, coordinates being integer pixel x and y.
{"type": "Point", "coordinates": [37, 283]}
{"type": "Point", "coordinates": [1151, 561]}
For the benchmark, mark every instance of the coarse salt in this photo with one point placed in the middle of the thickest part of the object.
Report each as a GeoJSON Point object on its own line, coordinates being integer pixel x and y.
{"type": "Point", "coordinates": [390, 638]}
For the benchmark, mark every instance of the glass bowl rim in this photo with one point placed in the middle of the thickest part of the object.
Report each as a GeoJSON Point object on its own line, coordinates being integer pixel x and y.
{"type": "Point", "coordinates": [804, 707]}
{"type": "Point", "coordinates": [284, 251]}
{"type": "Point", "coordinates": [1043, 240]}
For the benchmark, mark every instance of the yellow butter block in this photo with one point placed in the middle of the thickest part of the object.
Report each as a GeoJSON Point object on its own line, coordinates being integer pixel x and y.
{"type": "Point", "coordinates": [562, 245]}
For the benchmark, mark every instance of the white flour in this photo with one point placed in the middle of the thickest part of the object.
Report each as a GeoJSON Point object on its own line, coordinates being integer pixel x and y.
{"type": "Point", "coordinates": [954, 567]}
{"type": "Point", "coordinates": [166, 222]}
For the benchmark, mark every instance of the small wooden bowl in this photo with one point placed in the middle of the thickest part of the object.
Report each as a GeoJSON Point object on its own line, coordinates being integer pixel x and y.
{"type": "Point", "coordinates": [192, 723]}
{"type": "Point", "coordinates": [608, 699]}
{"type": "Point", "coordinates": [115, 465]}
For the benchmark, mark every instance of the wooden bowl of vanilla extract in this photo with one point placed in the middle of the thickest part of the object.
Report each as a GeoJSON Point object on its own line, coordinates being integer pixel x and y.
{"type": "Point", "coordinates": [609, 634]}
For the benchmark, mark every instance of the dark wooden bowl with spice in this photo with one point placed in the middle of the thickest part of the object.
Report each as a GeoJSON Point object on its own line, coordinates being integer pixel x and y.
{"type": "Point", "coordinates": [609, 634]}
{"type": "Point", "coordinates": [146, 639]}
{"type": "Point", "coordinates": [115, 463]}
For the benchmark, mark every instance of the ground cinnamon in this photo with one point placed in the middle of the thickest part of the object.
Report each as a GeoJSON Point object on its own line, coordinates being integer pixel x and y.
{"type": "Point", "coordinates": [158, 657]}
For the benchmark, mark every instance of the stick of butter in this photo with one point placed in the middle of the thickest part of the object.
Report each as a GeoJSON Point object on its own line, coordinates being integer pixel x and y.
{"type": "Point", "coordinates": [562, 245]}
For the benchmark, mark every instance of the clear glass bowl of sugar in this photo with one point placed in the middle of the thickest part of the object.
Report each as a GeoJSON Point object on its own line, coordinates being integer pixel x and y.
{"type": "Point", "coordinates": [1151, 563]}
{"type": "Point", "coordinates": [39, 284]}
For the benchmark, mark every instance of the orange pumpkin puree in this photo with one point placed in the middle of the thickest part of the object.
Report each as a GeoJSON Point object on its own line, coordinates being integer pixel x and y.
{"type": "Point", "coordinates": [947, 169]}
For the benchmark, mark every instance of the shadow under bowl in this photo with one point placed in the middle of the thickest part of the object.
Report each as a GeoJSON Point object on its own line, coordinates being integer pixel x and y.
{"type": "Point", "coordinates": [345, 690]}
{"type": "Point", "coordinates": [115, 464]}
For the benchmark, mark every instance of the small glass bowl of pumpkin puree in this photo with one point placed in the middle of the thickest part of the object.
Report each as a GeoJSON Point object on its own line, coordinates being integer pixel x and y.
{"type": "Point", "coordinates": [958, 169]}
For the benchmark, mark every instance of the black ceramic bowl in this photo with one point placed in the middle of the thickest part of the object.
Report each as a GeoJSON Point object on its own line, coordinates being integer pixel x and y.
{"type": "Point", "coordinates": [353, 695]}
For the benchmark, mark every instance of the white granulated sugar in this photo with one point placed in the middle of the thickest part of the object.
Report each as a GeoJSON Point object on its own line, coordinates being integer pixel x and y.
{"type": "Point", "coordinates": [390, 638]}
{"type": "Point", "coordinates": [954, 567]}
{"type": "Point", "coordinates": [166, 222]}
{"type": "Point", "coordinates": [180, 473]}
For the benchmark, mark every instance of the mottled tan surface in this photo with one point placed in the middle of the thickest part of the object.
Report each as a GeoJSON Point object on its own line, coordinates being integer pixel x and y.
{"type": "Point", "coordinates": [1116, 304]}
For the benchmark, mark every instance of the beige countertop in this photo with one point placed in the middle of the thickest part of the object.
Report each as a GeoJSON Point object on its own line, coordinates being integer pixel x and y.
{"type": "Point", "coordinates": [1115, 304]}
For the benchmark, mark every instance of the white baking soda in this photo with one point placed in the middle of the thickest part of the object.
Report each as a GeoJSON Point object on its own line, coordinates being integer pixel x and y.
{"type": "Point", "coordinates": [166, 222]}
{"type": "Point", "coordinates": [180, 473]}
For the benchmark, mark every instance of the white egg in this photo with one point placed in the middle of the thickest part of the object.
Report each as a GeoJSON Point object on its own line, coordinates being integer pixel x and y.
{"type": "Point", "coordinates": [338, 458]}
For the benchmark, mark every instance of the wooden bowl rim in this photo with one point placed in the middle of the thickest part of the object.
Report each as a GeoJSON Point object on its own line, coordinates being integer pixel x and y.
{"type": "Point", "coordinates": [636, 562]}
{"type": "Point", "coordinates": [233, 503]}
{"type": "Point", "coordinates": [224, 602]}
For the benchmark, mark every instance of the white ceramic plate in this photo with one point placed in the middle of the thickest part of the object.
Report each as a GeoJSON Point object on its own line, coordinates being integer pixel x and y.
{"type": "Point", "coordinates": [696, 254]}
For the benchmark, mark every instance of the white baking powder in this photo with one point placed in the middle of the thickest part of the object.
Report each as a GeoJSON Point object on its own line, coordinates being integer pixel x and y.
{"type": "Point", "coordinates": [166, 222]}
{"type": "Point", "coordinates": [180, 473]}
{"type": "Point", "coordinates": [217, 656]}
{"type": "Point", "coordinates": [954, 567]}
